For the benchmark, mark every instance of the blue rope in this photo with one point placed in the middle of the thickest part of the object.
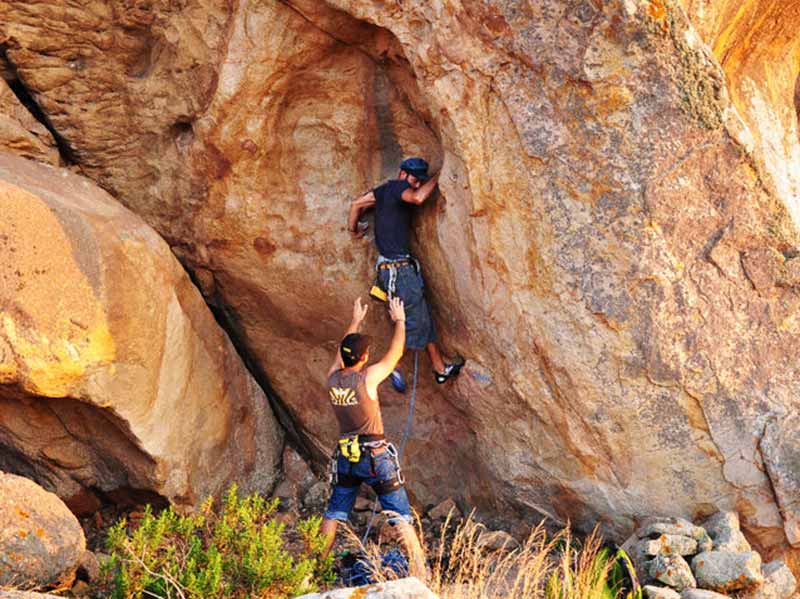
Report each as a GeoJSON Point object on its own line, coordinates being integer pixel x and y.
{"type": "Point", "coordinates": [406, 434]}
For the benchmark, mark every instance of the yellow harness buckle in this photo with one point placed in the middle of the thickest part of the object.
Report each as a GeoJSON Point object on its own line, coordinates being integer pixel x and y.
{"type": "Point", "coordinates": [350, 448]}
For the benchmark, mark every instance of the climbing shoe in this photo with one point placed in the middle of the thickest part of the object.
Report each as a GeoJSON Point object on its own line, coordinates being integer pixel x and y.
{"type": "Point", "coordinates": [450, 371]}
{"type": "Point", "coordinates": [398, 381]}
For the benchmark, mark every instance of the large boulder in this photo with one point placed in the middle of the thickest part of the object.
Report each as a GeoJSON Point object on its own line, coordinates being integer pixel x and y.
{"type": "Point", "coordinates": [41, 541]}
{"type": "Point", "coordinates": [114, 376]}
{"type": "Point", "coordinates": [614, 248]}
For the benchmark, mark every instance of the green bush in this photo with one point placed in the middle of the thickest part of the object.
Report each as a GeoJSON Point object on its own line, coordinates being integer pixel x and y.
{"type": "Point", "coordinates": [236, 552]}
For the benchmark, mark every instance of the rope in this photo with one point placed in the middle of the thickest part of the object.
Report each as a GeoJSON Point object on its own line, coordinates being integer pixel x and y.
{"type": "Point", "coordinates": [406, 434]}
{"type": "Point", "coordinates": [410, 418]}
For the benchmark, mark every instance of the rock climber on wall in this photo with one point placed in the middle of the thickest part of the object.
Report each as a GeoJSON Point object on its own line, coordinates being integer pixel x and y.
{"type": "Point", "coordinates": [398, 271]}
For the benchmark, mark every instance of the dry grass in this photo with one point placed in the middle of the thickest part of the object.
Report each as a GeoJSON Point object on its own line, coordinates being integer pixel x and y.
{"type": "Point", "coordinates": [544, 567]}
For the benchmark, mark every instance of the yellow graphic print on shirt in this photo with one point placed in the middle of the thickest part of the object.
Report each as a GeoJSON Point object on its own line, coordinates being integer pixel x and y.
{"type": "Point", "coordinates": [343, 396]}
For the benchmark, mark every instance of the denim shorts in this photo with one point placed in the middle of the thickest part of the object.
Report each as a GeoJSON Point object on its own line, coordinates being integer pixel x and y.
{"type": "Point", "coordinates": [410, 288]}
{"type": "Point", "coordinates": [385, 468]}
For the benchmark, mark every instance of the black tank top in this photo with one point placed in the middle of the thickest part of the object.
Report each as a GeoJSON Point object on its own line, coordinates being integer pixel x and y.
{"type": "Point", "coordinates": [392, 219]}
{"type": "Point", "coordinates": [356, 411]}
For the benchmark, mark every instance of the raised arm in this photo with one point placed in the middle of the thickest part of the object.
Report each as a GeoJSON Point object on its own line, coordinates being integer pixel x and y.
{"type": "Point", "coordinates": [358, 206]}
{"type": "Point", "coordinates": [359, 314]}
{"type": "Point", "coordinates": [380, 370]}
{"type": "Point", "coordinates": [419, 195]}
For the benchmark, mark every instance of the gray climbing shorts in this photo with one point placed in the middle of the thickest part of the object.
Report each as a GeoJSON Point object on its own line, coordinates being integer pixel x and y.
{"type": "Point", "coordinates": [409, 287]}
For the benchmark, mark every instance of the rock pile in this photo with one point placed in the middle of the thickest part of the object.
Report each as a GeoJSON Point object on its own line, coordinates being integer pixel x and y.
{"type": "Point", "coordinates": [677, 559]}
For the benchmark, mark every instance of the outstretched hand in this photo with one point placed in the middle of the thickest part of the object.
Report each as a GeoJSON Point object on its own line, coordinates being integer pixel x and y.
{"type": "Point", "coordinates": [396, 310]}
{"type": "Point", "coordinates": [359, 311]}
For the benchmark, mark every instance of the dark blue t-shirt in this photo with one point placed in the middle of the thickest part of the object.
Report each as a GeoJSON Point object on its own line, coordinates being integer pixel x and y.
{"type": "Point", "coordinates": [392, 219]}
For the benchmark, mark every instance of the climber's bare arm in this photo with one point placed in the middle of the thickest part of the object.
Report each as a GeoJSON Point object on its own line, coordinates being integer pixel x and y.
{"type": "Point", "coordinates": [358, 206]}
{"type": "Point", "coordinates": [382, 369]}
{"type": "Point", "coordinates": [359, 314]}
{"type": "Point", "coordinates": [422, 193]}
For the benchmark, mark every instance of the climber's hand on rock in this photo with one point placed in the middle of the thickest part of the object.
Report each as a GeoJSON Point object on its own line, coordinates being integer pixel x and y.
{"type": "Point", "coordinates": [396, 310]}
{"type": "Point", "coordinates": [361, 230]}
{"type": "Point", "coordinates": [359, 312]}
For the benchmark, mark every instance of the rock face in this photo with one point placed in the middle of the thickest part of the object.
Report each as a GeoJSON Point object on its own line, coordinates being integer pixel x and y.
{"type": "Point", "coordinates": [114, 376]}
{"type": "Point", "coordinates": [613, 248]}
{"type": "Point", "coordinates": [781, 452]}
{"type": "Point", "coordinates": [21, 133]}
{"type": "Point", "coordinates": [41, 542]}
{"type": "Point", "coordinates": [754, 42]}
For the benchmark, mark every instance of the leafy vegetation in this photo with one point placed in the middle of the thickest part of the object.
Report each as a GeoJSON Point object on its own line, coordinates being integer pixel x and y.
{"type": "Point", "coordinates": [236, 552]}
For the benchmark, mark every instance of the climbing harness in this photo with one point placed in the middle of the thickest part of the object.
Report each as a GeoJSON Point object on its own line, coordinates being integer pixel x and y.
{"type": "Point", "coordinates": [378, 291]}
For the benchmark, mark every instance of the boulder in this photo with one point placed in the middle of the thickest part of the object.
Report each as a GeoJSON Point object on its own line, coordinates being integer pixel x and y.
{"type": "Point", "coordinates": [724, 571]}
{"type": "Point", "coordinates": [41, 541]}
{"type": "Point", "coordinates": [673, 571]}
{"type": "Point", "coordinates": [651, 592]}
{"type": "Point", "coordinates": [701, 594]}
{"type": "Point", "coordinates": [405, 588]}
{"type": "Point", "coordinates": [444, 509]}
{"type": "Point", "coordinates": [114, 375]}
{"type": "Point", "coordinates": [316, 499]}
{"type": "Point", "coordinates": [674, 527]}
{"type": "Point", "coordinates": [614, 269]}
{"type": "Point", "coordinates": [779, 583]}
{"type": "Point", "coordinates": [671, 545]}
{"type": "Point", "coordinates": [89, 567]}
{"type": "Point", "coordinates": [637, 551]}
{"type": "Point", "coordinates": [496, 540]}
{"type": "Point", "coordinates": [723, 527]}
{"type": "Point", "coordinates": [296, 470]}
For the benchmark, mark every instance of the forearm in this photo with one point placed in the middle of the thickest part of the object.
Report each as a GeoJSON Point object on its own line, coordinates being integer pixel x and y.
{"type": "Point", "coordinates": [353, 216]}
{"type": "Point", "coordinates": [426, 189]}
{"type": "Point", "coordinates": [398, 343]}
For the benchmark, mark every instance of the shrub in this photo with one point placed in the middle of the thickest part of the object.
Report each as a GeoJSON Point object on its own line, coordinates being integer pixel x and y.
{"type": "Point", "coordinates": [236, 552]}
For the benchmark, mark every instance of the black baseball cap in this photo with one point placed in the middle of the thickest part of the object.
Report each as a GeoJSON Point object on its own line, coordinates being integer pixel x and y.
{"type": "Point", "coordinates": [353, 348]}
{"type": "Point", "coordinates": [415, 166]}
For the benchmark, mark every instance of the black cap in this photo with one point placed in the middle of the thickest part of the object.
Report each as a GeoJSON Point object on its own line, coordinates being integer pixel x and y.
{"type": "Point", "coordinates": [353, 348]}
{"type": "Point", "coordinates": [415, 166]}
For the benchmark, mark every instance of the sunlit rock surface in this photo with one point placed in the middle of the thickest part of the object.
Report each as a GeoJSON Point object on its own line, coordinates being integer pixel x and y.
{"type": "Point", "coordinates": [115, 378]}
